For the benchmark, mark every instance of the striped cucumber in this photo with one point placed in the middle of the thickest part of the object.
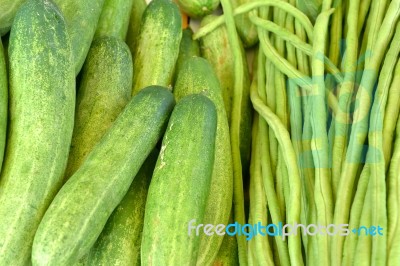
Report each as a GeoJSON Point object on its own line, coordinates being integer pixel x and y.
{"type": "Point", "coordinates": [98, 104]}
{"type": "Point", "coordinates": [187, 49]}
{"type": "Point", "coordinates": [180, 184]}
{"type": "Point", "coordinates": [215, 48]}
{"type": "Point", "coordinates": [82, 207]}
{"type": "Point", "coordinates": [228, 253]}
{"type": "Point", "coordinates": [81, 18]}
{"type": "Point", "coordinates": [119, 243]}
{"type": "Point", "coordinates": [197, 76]}
{"type": "Point", "coordinates": [198, 8]}
{"type": "Point", "coordinates": [8, 10]}
{"type": "Point", "coordinates": [3, 102]}
{"type": "Point", "coordinates": [158, 45]}
{"type": "Point", "coordinates": [41, 110]}
{"type": "Point", "coordinates": [138, 8]}
{"type": "Point", "coordinates": [114, 19]}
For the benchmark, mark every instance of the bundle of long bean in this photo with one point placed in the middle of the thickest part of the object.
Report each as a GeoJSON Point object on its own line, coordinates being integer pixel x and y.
{"type": "Point", "coordinates": [326, 135]}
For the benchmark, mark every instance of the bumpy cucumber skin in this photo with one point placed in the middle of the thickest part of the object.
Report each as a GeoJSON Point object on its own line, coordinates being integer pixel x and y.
{"type": "Point", "coordinates": [158, 45]}
{"type": "Point", "coordinates": [138, 8]}
{"type": "Point", "coordinates": [228, 253]}
{"type": "Point", "coordinates": [198, 8]}
{"type": "Point", "coordinates": [246, 29]}
{"type": "Point", "coordinates": [114, 19]}
{"type": "Point", "coordinates": [8, 10]}
{"type": "Point", "coordinates": [41, 111]}
{"type": "Point", "coordinates": [119, 243]}
{"type": "Point", "coordinates": [197, 76]}
{"type": "Point", "coordinates": [105, 89]}
{"type": "Point", "coordinates": [215, 48]}
{"type": "Point", "coordinates": [180, 184]}
{"type": "Point", "coordinates": [187, 49]}
{"type": "Point", "coordinates": [82, 207]}
{"type": "Point", "coordinates": [3, 102]}
{"type": "Point", "coordinates": [81, 17]}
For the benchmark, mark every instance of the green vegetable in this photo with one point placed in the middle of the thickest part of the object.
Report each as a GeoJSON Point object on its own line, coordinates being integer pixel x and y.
{"type": "Point", "coordinates": [180, 185]}
{"type": "Point", "coordinates": [114, 19]}
{"type": "Point", "coordinates": [3, 102]}
{"type": "Point", "coordinates": [198, 8]}
{"type": "Point", "coordinates": [157, 46]}
{"type": "Point", "coordinates": [8, 9]}
{"type": "Point", "coordinates": [246, 30]}
{"type": "Point", "coordinates": [98, 104]}
{"type": "Point", "coordinates": [41, 109]}
{"type": "Point", "coordinates": [137, 10]}
{"type": "Point", "coordinates": [82, 207]}
{"type": "Point", "coordinates": [81, 18]}
{"type": "Point", "coordinates": [119, 243]}
{"type": "Point", "coordinates": [197, 76]}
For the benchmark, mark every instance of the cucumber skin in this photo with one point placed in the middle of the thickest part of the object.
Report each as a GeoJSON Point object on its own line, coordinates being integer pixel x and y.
{"type": "Point", "coordinates": [81, 17]}
{"type": "Point", "coordinates": [158, 45]}
{"type": "Point", "coordinates": [41, 111]}
{"type": "Point", "coordinates": [215, 48]}
{"type": "Point", "coordinates": [119, 243]}
{"type": "Point", "coordinates": [197, 76]}
{"type": "Point", "coordinates": [198, 8]}
{"type": "Point", "coordinates": [82, 207]}
{"type": "Point", "coordinates": [3, 102]}
{"type": "Point", "coordinates": [180, 184]}
{"type": "Point", "coordinates": [98, 104]}
{"type": "Point", "coordinates": [228, 254]}
{"type": "Point", "coordinates": [114, 19]}
{"type": "Point", "coordinates": [8, 9]}
{"type": "Point", "coordinates": [245, 28]}
{"type": "Point", "coordinates": [138, 8]}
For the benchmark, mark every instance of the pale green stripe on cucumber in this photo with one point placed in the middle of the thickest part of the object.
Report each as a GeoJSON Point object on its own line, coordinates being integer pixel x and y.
{"type": "Point", "coordinates": [137, 10]}
{"type": "Point", "coordinates": [119, 243]}
{"type": "Point", "coordinates": [8, 9]}
{"type": "Point", "coordinates": [41, 112]}
{"type": "Point", "coordinates": [198, 77]}
{"type": "Point", "coordinates": [3, 103]}
{"type": "Point", "coordinates": [180, 184]}
{"type": "Point", "coordinates": [81, 17]}
{"type": "Point", "coordinates": [114, 19]}
{"type": "Point", "coordinates": [198, 8]}
{"type": "Point", "coordinates": [158, 45]}
{"type": "Point", "coordinates": [105, 89]}
{"type": "Point", "coordinates": [82, 207]}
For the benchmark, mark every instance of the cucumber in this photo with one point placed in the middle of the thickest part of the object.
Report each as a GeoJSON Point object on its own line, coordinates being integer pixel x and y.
{"type": "Point", "coordinates": [98, 104]}
{"type": "Point", "coordinates": [197, 76]}
{"type": "Point", "coordinates": [246, 29]}
{"type": "Point", "coordinates": [138, 8]}
{"type": "Point", "coordinates": [3, 102]}
{"type": "Point", "coordinates": [198, 8]}
{"type": "Point", "coordinates": [180, 184]}
{"type": "Point", "coordinates": [114, 19]}
{"type": "Point", "coordinates": [81, 18]}
{"type": "Point", "coordinates": [187, 48]}
{"type": "Point", "coordinates": [8, 10]}
{"type": "Point", "coordinates": [82, 207]}
{"type": "Point", "coordinates": [215, 48]}
{"type": "Point", "coordinates": [228, 253]}
{"type": "Point", "coordinates": [119, 243]}
{"type": "Point", "coordinates": [158, 45]}
{"type": "Point", "coordinates": [41, 112]}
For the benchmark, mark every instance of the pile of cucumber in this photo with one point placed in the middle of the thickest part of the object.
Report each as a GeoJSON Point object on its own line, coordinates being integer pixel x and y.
{"type": "Point", "coordinates": [128, 139]}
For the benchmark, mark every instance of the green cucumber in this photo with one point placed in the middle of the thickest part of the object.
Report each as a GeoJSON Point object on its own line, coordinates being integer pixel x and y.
{"type": "Point", "coordinates": [81, 18]}
{"type": "Point", "coordinates": [3, 102]}
{"type": "Point", "coordinates": [246, 29]}
{"type": "Point", "coordinates": [114, 19]}
{"type": "Point", "coordinates": [197, 76]}
{"type": "Point", "coordinates": [198, 8]}
{"type": "Point", "coordinates": [138, 8]}
{"type": "Point", "coordinates": [215, 48]}
{"type": "Point", "coordinates": [82, 207]}
{"type": "Point", "coordinates": [8, 10]}
{"type": "Point", "coordinates": [158, 45]}
{"type": "Point", "coordinates": [98, 104]}
{"type": "Point", "coordinates": [228, 253]}
{"type": "Point", "coordinates": [119, 243]}
{"type": "Point", "coordinates": [187, 49]}
{"type": "Point", "coordinates": [41, 111]}
{"type": "Point", "coordinates": [180, 184]}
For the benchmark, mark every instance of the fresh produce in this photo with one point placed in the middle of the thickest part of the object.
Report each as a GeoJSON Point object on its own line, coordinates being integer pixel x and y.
{"type": "Point", "coordinates": [198, 8]}
{"type": "Point", "coordinates": [138, 8]}
{"type": "Point", "coordinates": [180, 184]}
{"type": "Point", "coordinates": [3, 102]}
{"type": "Point", "coordinates": [41, 115]}
{"type": "Point", "coordinates": [8, 10]}
{"type": "Point", "coordinates": [80, 210]}
{"type": "Point", "coordinates": [157, 45]}
{"type": "Point", "coordinates": [104, 90]}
